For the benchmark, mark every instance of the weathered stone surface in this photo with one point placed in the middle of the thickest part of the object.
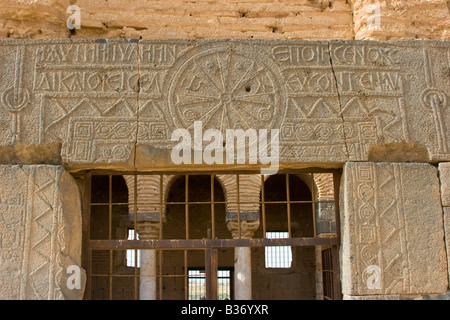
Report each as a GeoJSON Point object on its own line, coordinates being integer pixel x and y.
{"type": "Point", "coordinates": [394, 20]}
{"type": "Point", "coordinates": [392, 227]}
{"type": "Point", "coordinates": [447, 235]}
{"type": "Point", "coordinates": [444, 175]}
{"type": "Point", "coordinates": [116, 103]}
{"type": "Point", "coordinates": [40, 232]}
{"type": "Point", "coordinates": [266, 19]}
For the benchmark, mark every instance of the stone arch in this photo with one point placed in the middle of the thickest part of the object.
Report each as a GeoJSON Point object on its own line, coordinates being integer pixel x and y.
{"type": "Point", "coordinates": [149, 195]}
{"type": "Point", "coordinates": [249, 190]}
{"type": "Point", "coordinates": [322, 183]}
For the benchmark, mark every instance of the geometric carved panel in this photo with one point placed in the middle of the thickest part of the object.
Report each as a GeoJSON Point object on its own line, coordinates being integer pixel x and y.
{"type": "Point", "coordinates": [332, 101]}
{"type": "Point", "coordinates": [40, 232]}
{"type": "Point", "coordinates": [393, 233]}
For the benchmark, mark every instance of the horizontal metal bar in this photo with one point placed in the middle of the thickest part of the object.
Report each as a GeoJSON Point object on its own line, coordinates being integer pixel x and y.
{"type": "Point", "coordinates": [209, 202]}
{"type": "Point", "coordinates": [233, 170]}
{"type": "Point", "coordinates": [186, 244]}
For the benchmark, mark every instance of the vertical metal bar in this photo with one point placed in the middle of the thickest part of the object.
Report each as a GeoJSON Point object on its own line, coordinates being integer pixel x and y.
{"type": "Point", "coordinates": [135, 233]}
{"type": "Point", "coordinates": [263, 206]}
{"type": "Point", "coordinates": [161, 207]}
{"type": "Point", "coordinates": [238, 206]}
{"type": "Point", "coordinates": [136, 275]}
{"type": "Point", "coordinates": [135, 206]}
{"type": "Point", "coordinates": [110, 208]}
{"type": "Point", "coordinates": [186, 217]}
{"type": "Point", "coordinates": [86, 217]}
{"type": "Point", "coordinates": [110, 277]}
{"type": "Point", "coordinates": [160, 274]}
{"type": "Point", "coordinates": [186, 279]}
{"type": "Point", "coordinates": [337, 282]}
{"type": "Point", "coordinates": [186, 208]}
{"type": "Point", "coordinates": [213, 222]}
{"type": "Point", "coordinates": [110, 237]}
{"type": "Point", "coordinates": [313, 196]}
{"type": "Point", "coordinates": [336, 186]}
{"type": "Point", "coordinates": [288, 198]}
{"type": "Point", "coordinates": [211, 273]}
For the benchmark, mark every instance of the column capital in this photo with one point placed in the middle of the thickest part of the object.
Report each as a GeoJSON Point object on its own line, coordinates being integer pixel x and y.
{"type": "Point", "coordinates": [148, 230]}
{"type": "Point", "coordinates": [248, 228]}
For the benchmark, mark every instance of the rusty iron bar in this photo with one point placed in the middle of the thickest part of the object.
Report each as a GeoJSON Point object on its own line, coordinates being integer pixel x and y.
{"type": "Point", "coordinates": [186, 206]}
{"type": "Point", "coordinates": [135, 233]}
{"type": "Point", "coordinates": [187, 244]}
{"type": "Point", "coordinates": [213, 220]}
{"type": "Point", "coordinates": [288, 205]}
{"type": "Point", "coordinates": [215, 202]}
{"type": "Point", "coordinates": [263, 206]}
{"type": "Point", "coordinates": [161, 205]}
{"type": "Point", "coordinates": [216, 172]}
{"type": "Point", "coordinates": [313, 197]}
{"type": "Point", "coordinates": [238, 206]}
{"type": "Point", "coordinates": [85, 222]}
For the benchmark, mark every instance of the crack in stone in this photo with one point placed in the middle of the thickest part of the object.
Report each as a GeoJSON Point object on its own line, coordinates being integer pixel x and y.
{"type": "Point", "coordinates": [339, 100]}
{"type": "Point", "coordinates": [137, 101]}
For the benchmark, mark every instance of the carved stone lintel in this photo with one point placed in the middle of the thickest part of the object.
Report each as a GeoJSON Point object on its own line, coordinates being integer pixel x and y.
{"type": "Point", "coordinates": [248, 228]}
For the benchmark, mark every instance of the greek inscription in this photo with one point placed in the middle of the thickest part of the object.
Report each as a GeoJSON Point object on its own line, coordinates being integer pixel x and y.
{"type": "Point", "coordinates": [92, 81]}
{"type": "Point", "coordinates": [164, 54]}
{"type": "Point", "coordinates": [87, 53]}
{"type": "Point", "coordinates": [317, 55]}
{"type": "Point", "coordinates": [365, 56]}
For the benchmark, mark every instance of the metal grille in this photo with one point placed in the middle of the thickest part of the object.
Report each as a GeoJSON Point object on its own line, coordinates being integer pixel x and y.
{"type": "Point", "coordinates": [328, 274]}
{"type": "Point", "coordinates": [111, 248]}
{"type": "Point", "coordinates": [197, 284]}
{"type": "Point", "coordinates": [278, 256]}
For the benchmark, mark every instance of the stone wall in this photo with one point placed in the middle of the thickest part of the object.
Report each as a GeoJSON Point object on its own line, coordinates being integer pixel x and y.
{"type": "Point", "coordinates": [114, 104]}
{"type": "Point", "coordinates": [268, 19]}
{"type": "Point", "coordinates": [393, 233]}
{"type": "Point", "coordinates": [379, 110]}
{"type": "Point", "coordinates": [40, 233]}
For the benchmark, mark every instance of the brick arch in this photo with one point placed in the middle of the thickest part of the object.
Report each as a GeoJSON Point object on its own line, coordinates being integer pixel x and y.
{"type": "Point", "coordinates": [325, 186]}
{"type": "Point", "coordinates": [249, 190]}
{"type": "Point", "coordinates": [322, 183]}
{"type": "Point", "coordinates": [148, 191]}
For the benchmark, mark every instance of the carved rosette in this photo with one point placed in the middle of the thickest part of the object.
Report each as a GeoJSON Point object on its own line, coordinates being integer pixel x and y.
{"type": "Point", "coordinates": [225, 87]}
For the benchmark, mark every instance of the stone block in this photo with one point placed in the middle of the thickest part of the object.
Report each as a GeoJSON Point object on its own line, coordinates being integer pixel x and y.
{"type": "Point", "coordinates": [40, 233]}
{"type": "Point", "coordinates": [392, 229]}
{"type": "Point", "coordinates": [444, 175]}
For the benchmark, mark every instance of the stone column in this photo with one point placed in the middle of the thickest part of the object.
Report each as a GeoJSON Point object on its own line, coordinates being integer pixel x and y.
{"type": "Point", "coordinates": [147, 230]}
{"type": "Point", "coordinates": [242, 257]}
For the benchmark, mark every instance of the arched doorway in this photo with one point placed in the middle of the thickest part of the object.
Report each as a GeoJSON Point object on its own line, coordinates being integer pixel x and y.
{"type": "Point", "coordinates": [286, 272]}
{"type": "Point", "coordinates": [191, 237]}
